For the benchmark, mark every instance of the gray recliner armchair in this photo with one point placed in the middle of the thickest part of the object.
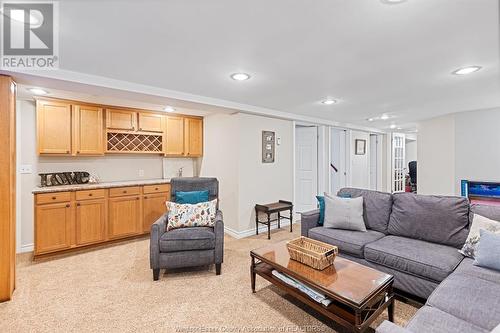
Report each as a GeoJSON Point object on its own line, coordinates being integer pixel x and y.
{"type": "Point", "coordinates": [187, 247]}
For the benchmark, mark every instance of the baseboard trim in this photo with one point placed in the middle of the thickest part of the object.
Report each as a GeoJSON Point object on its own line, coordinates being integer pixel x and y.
{"type": "Point", "coordinates": [27, 248]}
{"type": "Point", "coordinates": [251, 232]}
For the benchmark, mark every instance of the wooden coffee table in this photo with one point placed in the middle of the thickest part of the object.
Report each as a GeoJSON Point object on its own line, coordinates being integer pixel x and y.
{"type": "Point", "coordinates": [359, 293]}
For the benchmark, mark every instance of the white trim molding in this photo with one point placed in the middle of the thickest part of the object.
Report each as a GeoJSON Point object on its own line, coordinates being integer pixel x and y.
{"type": "Point", "coordinates": [27, 248]}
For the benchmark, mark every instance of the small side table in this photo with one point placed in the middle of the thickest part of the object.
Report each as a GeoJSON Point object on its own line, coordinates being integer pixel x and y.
{"type": "Point", "coordinates": [271, 208]}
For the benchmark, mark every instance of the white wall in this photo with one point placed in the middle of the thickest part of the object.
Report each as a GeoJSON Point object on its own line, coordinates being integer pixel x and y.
{"type": "Point", "coordinates": [410, 151]}
{"type": "Point", "coordinates": [436, 156]}
{"type": "Point", "coordinates": [233, 154]}
{"type": "Point", "coordinates": [221, 150]}
{"type": "Point", "coordinates": [359, 164]}
{"type": "Point", "coordinates": [263, 182]}
{"type": "Point", "coordinates": [477, 154]}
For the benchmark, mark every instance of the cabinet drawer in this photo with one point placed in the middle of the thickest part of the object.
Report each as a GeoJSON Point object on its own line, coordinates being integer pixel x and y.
{"type": "Point", "coordinates": [46, 198]}
{"type": "Point", "coordinates": [124, 191]}
{"type": "Point", "coordinates": [156, 188]}
{"type": "Point", "coordinates": [90, 194]}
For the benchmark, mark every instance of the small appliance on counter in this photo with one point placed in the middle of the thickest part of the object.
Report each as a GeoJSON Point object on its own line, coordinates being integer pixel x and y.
{"type": "Point", "coordinates": [64, 178]}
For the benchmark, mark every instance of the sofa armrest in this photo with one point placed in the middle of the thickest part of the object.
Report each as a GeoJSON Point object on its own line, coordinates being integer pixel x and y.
{"type": "Point", "coordinates": [157, 230]}
{"type": "Point", "coordinates": [389, 327]}
{"type": "Point", "coordinates": [308, 220]}
{"type": "Point", "coordinates": [219, 237]}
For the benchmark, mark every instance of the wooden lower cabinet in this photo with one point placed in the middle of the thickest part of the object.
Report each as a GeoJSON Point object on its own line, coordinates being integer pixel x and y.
{"type": "Point", "coordinates": [153, 208]}
{"type": "Point", "coordinates": [53, 227]}
{"type": "Point", "coordinates": [68, 220]}
{"type": "Point", "coordinates": [90, 222]}
{"type": "Point", "coordinates": [124, 217]}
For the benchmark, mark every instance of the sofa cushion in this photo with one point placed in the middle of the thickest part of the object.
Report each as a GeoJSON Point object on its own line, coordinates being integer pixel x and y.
{"type": "Point", "coordinates": [377, 207]}
{"type": "Point", "coordinates": [468, 268]}
{"type": "Point", "coordinates": [432, 320]}
{"type": "Point", "coordinates": [344, 213]}
{"type": "Point", "coordinates": [474, 300]}
{"type": "Point", "coordinates": [348, 241]}
{"type": "Point", "coordinates": [428, 260]}
{"type": "Point", "coordinates": [489, 211]}
{"type": "Point", "coordinates": [437, 219]}
{"type": "Point", "coordinates": [188, 239]}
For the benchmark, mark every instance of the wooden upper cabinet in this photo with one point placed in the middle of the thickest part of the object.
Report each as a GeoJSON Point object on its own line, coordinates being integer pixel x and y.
{"type": "Point", "coordinates": [174, 136]}
{"type": "Point", "coordinates": [150, 122]}
{"type": "Point", "coordinates": [53, 127]}
{"type": "Point", "coordinates": [193, 137]}
{"type": "Point", "coordinates": [121, 120]}
{"type": "Point", "coordinates": [88, 130]}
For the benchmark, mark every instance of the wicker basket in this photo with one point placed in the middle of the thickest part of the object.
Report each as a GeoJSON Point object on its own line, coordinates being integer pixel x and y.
{"type": "Point", "coordinates": [312, 253]}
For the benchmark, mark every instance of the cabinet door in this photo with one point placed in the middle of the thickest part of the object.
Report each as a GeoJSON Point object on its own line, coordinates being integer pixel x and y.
{"type": "Point", "coordinates": [174, 136]}
{"type": "Point", "coordinates": [150, 122]}
{"type": "Point", "coordinates": [52, 227]}
{"type": "Point", "coordinates": [88, 130]}
{"type": "Point", "coordinates": [121, 119]}
{"type": "Point", "coordinates": [193, 137]}
{"type": "Point", "coordinates": [90, 221]}
{"type": "Point", "coordinates": [153, 207]}
{"type": "Point", "coordinates": [124, 217]}
{"type": "Point", "coordinates": [53, 127]}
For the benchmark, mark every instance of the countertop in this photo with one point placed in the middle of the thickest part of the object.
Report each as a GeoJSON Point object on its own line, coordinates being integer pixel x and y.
{"type": "Point", "coordinates": [65, 188]}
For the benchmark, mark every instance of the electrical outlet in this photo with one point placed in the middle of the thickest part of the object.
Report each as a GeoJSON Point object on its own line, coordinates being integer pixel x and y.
{"type": "Point", "coordinates": [25, 168]}
{"type": "Point", "coordinates": [141, 173]}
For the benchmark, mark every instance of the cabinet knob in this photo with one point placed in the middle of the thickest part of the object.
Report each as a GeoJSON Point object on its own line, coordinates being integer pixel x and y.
{"type": "Point", "coordinates": [145, 197]}
{"type": "Point", "coordinates": [78, 204]}
{"type": "Point", "coordinates": [68, 205]}
{"type": "Point", "coordinates": [137, 198]}
{"type": "Point", "coordinates": [156, 188]}
{"type": "Point", "coordinates": [78, 152]}
{"type": "Point", "coordinates": [140, 128]}
{"type": "Point", "coordinates": [54, 198]}
{"type": "Point", "coordinates": [124, 191]}
{"type": "Point", "coordinates": [90, 194]}
{"type": "Point", "coordinates": [67, 151]}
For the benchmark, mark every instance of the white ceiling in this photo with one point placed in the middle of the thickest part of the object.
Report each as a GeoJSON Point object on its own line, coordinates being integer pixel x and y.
{"type": "Point", "coordinates": [373, 57]}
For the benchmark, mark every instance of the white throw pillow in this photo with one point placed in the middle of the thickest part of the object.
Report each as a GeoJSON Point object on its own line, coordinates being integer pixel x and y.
{"type": "Point", "coordinates": [191, 215]}
{"type": "Point", "coordinates": [478, 222]}
{"type": "Point", "coordinates": [344, 213]}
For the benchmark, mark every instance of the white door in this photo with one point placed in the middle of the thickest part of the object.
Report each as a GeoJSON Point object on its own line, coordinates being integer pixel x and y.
{"type": "Point", "coordinates": [338, 165]}
{"type": "Point", "coordinates": [306, 168]}
{"type": "Point", "coordinates": [398, 162]}
{"type": "Point", "coordinates": [373, 162]}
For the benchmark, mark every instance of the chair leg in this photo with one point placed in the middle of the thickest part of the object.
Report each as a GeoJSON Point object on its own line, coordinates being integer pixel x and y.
{"type": "Point", "coordinates": [217, 269]}
{"type": "Point", "coordinates": [156, 274]}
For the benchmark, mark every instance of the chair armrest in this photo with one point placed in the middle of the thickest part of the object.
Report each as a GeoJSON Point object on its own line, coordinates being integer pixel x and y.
{"type": "Point", "coordinates": [308, 220]}
{"type": "Point", "coordinates": [219, 237]}
{"type": "Point", "coordinates": [388, 327]}
{"type": "Point", "coordinates": [157, 230]}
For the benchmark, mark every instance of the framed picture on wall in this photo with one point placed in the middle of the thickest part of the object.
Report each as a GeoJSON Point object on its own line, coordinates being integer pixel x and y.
{"type": "Point", "coordinates": [360, 147]}
{"type": "Point", "coordinates": [268, 146]}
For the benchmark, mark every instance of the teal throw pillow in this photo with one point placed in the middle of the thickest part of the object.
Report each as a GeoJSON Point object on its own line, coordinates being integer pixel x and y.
{"type": "Point", "coordinates": [192, 197]}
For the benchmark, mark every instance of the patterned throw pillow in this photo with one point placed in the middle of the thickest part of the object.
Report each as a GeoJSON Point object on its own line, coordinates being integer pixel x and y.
{"type": "Point", "coordinates": [191, 215]}
{"type": "Point", "coordinates": [478, 222]}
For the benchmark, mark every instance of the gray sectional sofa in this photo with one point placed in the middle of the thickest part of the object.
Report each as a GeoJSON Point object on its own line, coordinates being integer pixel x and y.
{"type": "Point", "coordinates": [416, 238]}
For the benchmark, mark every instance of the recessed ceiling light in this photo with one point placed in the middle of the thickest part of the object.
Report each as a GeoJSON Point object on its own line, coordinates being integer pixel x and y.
{"type": "Point", "coordinates": [392, 2]}
{"type": "Point", "coordinates": [240, 76]}
{"type": "Point", "coordinates": [329, 101]}
{"type": "Point", "coordinates": [393, 126]}
{"type": "Point", "coordinates": [399, 128]}
{"type": "Point", "coordinates": [168, 108]}
{"type": "Point", "coordinates": [370, 119]}
{"type": "Point", "coordinates": [384, 117]}
{"type": "Point", "coordinates": [38, 91]}
{"type": "Point", "coordinates": [467, 70]}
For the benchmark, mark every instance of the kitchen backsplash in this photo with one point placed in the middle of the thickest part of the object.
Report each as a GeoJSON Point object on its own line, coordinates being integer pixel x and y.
{"type": "Point", "coordinates": [171, 167]}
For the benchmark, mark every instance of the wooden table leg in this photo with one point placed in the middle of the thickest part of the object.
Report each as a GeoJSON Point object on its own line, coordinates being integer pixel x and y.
{"type": "Point", "coordinates": [279, 219]}
{"type": "Point", "coordinates": [252, 274]}
{"type": "Point", "coordinates": [268, 226]}
{"type": "Point", "coordinates": [390, 308]}
{"type": "Point", "coordinates": [291, 219]}
{"type": "Point", "coordinates": [256, 222]}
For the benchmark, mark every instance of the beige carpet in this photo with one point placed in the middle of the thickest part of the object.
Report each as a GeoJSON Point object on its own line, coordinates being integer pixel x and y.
{"type": "Point", "coordinates": [111, 290]}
